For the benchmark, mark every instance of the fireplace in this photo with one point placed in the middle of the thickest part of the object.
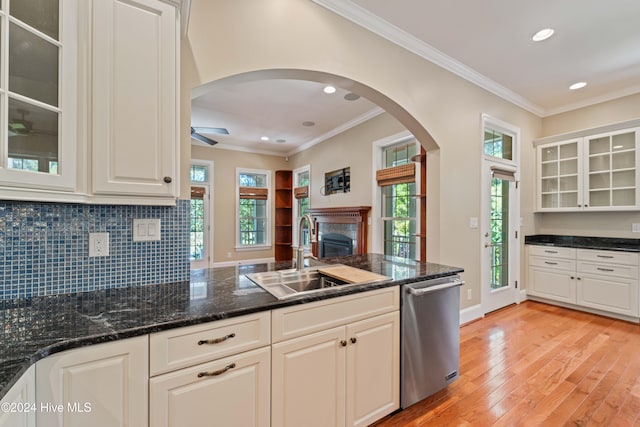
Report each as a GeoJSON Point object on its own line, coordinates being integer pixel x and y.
{"type": "Point", "coordinates": [334, 244]}
{"type": "Point", "coordinates": [340, 231]}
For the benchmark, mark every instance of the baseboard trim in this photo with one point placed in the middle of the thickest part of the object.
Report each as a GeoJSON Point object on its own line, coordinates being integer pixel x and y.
{"type": "Point", "coordinates": [470, 314]}
{"type": "Point", "coordinates": [243, 262]}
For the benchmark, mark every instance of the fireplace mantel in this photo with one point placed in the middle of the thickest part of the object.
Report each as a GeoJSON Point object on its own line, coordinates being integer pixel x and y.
{"type": "Point", "coordinates": [343, 215]}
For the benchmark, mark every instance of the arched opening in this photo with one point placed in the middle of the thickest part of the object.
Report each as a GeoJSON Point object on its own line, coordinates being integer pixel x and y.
{"type": "Point", "coordinates": [385, 103]}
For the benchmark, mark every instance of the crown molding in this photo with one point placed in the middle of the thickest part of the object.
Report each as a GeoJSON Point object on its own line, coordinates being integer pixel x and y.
{"type": "Point", "coordinates": [373, 23]}
{"type": "Point", "coordinates": [592, 101]}
{"type": "Point", "coordinates": [342, 128]}
{"type": "Point", "coordinates": [333, 132]}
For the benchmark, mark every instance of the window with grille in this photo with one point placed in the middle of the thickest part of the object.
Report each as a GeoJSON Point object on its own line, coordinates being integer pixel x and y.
{"type": "Point", "coordinates": [253, 208]}
{"type": "Point", "coordinates": [399, 208]}
{"type": "Point", "coordinates": [301, 183]}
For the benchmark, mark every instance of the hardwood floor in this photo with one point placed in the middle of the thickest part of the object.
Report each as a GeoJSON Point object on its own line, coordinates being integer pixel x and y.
{"type": "Point", "coordinates": [538, 365]}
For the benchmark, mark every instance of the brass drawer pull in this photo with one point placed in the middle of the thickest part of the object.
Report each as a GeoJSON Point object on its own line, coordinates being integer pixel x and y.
{"type": "Point", "coordinates": [605, 269]}
{"type": "Point", "coordinates": [551, 263]}
{"type": "Point", "coordinates": [216, 340]}
{"type": "Point", "coordinates": [604, 256]}
{"type": "Point", "coordinates": [551, 252]}
{"type": "Point", "coordinates": [216, 373]}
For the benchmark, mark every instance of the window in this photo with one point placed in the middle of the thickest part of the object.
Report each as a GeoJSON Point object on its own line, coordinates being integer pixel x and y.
{"type": "Point", "coordinates": [397, 181]}
{"type": "Point", "coordinates": [253, 208]}
{"type": "Point", "coordinates": [301, 184]}
{"type": "Point", "coordinates": [199, 230]}
{"type": "Point", "coordinates": [498, 144]}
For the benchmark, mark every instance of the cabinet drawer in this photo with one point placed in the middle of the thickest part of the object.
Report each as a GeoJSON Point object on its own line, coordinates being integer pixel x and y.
{"type": "Point", "coordinates": [614, 257]}
{"type": "Point", "coordinates": [553, 263]}
{"type": "Point", "coordinates": [602, 269]}
{"type": "Point", "coordinates": [552, 251]}
{"type": "Point", "coordinates": [188, 346]}
{"type": "Point", "coordinates": [232, 391]}
{"type": "Point", "coordinates": [298, 320]}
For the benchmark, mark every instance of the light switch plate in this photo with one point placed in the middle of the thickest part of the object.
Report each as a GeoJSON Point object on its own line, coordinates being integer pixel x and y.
{"type": "Point", "coordinates": [473, 222]}
{"type": "Point", "coordinates": [635, 227]}
{"type": "Point", "coordinates": [146, 229]}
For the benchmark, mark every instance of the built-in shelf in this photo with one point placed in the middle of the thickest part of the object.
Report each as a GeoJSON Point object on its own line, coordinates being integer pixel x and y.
{"type": "Point", "coordinates": [283, 218]}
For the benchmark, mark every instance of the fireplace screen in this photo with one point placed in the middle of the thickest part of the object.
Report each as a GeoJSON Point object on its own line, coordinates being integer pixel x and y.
{"type": "Point", "coordinates": [333, 245]}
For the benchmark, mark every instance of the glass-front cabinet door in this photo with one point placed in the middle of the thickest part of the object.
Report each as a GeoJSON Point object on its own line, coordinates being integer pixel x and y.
{"type": "Point", "coordinates": [560, 186]}
{"type": "Point", "coordinates": [37, 108]}
{"type": "Point", "coordinates": [597, 172]}
{"type": "Point", "coordinates": [611, 181]}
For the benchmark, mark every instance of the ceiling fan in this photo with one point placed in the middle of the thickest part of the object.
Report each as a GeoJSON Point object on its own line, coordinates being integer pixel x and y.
{"type": "Point", "coordinates": [196, 133]}
{"type": "Point", "coordinates": [20, 127]}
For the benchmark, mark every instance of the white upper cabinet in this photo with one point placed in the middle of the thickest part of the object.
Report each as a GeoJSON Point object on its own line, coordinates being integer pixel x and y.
{"type": "Point", "coordinates": [559, 172]}
{"type": "Point", "coordinates": [594, 172]}
{"type": "Point", "coordinates": [38, 56]}
{"type": "Point", "coordinates": [89, 101]}
{"type": "Point", "coordinates": [611, 179]}
{"type": "Point", "coordinates": [135, 59]}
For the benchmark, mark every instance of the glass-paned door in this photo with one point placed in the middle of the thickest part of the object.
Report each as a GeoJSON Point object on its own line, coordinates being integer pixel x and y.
{"type": "Point", "coordinates": [200, 234]}
{"type": "Point", "coordinates": [499, 233]}
{"type": "Point", "coordinates": [500, 244]}
{"type": "Point", "coordinates": [500, 219]}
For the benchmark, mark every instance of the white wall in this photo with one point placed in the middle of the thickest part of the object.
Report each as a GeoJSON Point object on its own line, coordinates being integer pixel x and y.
{"type": "Point", "coordinates": [233, 37]}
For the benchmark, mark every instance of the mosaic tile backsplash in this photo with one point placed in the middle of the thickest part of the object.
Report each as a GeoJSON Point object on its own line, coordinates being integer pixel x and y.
{"type": "Point", "coordinates": [44, 248]}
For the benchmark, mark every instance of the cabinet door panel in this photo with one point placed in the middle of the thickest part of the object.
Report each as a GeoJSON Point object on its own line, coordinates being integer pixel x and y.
{"type": "Point", "coordinates": [238, 395]}
{"type": "Point", "coordinates": [373, 369]}
{"type": "Point", "coordinates": [22, 392]}
{"type": "Point", "coordinates": [604, 293]}
{"type": "Point", "coordinates": [557, 285]}
{"type": "Point", "coordinates": [308, 375]}
{"type": "Point", "coordinates": [111, 378]}
{"type": "Point", "coordinates": [134, 135]}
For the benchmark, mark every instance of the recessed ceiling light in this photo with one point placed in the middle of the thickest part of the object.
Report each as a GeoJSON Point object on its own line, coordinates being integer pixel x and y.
{"type": "Point", "coordinates": [264, 138]}
{"type": "Point", "coordinates": [542, 35]}
{"type": "Point", "coordinates": [329, 89]}
{"type": "Point", "coordinates": [351, 96]}
{"type": "Point", "coordinates": [308, 123]}
{"type": "Point", "coordinates": [578, 85]}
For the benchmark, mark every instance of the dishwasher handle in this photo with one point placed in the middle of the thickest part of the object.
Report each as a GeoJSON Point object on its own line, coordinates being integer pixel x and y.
{"type": "Point", "coordinates": [423, 291]}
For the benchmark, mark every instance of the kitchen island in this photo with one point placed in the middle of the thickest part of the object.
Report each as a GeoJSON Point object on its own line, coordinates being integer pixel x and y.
{"type": "Point", "coordinates": [37, 327]}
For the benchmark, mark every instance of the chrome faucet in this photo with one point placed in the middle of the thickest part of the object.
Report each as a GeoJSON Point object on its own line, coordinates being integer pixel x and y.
{"type": "Point", "coordinates": [312, 236]}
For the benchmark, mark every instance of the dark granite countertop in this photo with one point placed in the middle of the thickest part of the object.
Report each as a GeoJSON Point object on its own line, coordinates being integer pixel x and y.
{"type": "Point", "coordinates": [37, 327]}
{"type": "Point", "coordinates": [584, 242]}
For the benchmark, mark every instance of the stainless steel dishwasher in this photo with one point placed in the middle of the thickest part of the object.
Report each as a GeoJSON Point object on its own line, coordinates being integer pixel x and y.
{"type": "Point", "coordinates": [430, 337]}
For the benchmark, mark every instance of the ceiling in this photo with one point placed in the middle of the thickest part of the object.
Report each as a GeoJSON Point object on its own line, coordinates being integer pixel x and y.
{"type": "Point", "coordinates": [489, 44]}
{"type": "Point", "coordinates": [279, 109]}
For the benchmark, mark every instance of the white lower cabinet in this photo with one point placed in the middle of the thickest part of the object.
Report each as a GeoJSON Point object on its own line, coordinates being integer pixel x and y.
{"type": "Point", "coordinates": [558, 285]}
{"type": "Point", "coordinates": [604, 281]}
{"type": "Point", "coordinates": [333, 362]}
{"type": "Point", "coordinates": [344, 375]}
{"type": "Point", "coordinates": [216, 373]}
{"type": "Point", "coordinates": [233, 391]}
{"type": "Point", "coordinates": [19, 405]}
{"type": "Point", "coordinates": [99, 385]}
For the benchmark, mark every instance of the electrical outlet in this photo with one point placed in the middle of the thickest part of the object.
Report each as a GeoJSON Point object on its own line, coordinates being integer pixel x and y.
{"type": "Point", "coordinates": [635, 227]}
{"type": "Point", "coordinates": [98, 244]}
{"type": "Point", "coordinates": [469, 295]}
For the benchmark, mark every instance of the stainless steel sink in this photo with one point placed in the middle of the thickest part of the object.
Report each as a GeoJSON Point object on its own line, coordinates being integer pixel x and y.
{"type": "Point", "coordinates": [289, 283]}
